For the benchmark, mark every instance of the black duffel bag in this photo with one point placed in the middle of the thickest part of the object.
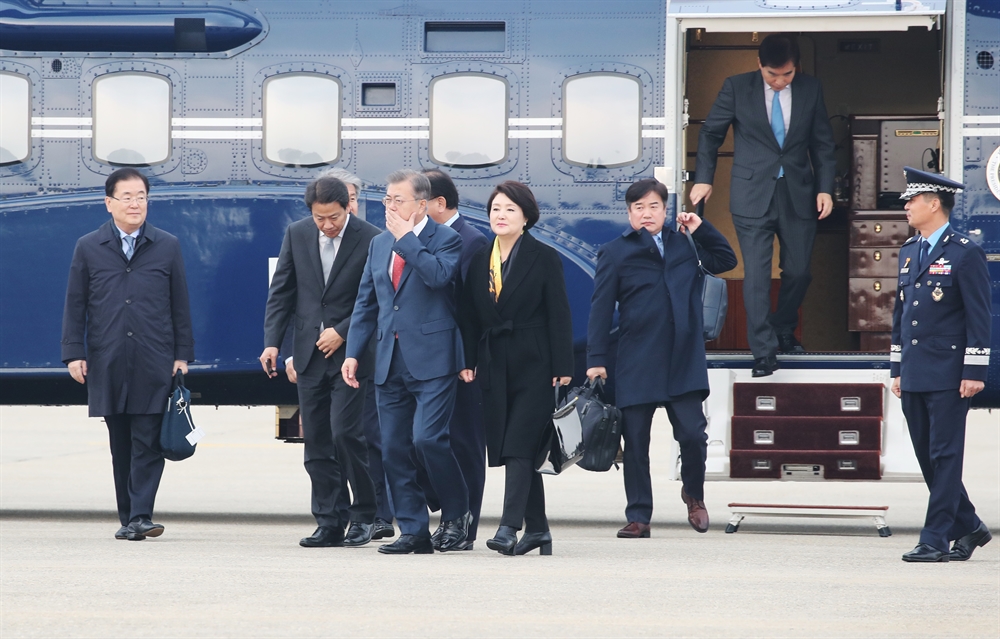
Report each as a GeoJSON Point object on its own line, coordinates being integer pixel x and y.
{"type": "Point", "coordinates": [602, 426]}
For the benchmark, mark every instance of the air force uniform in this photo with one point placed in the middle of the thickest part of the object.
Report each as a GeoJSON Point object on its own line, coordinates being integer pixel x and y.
{"type": "Point", "coordinates": [940, 336]}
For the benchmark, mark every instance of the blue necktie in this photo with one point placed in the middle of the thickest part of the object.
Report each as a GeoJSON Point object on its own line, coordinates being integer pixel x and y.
{"type": "Point", "coordinates": [925, 248]}
{"type": "Point", "coordinates": [659, 243]}
{"type": "Point", "coordinates": [778, 125]}
{"type": "Point", "coordinates": [130, 248]}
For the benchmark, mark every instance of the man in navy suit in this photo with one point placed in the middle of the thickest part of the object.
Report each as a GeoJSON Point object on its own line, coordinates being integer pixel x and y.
{"type": "Point", "coordinates": [940, 356]}
{"type": "Point", "coordinates": [126, 331]}
{"type": "Point", "coordinates": [468, 433]}
{"type": "Point", "coordinates": [782, 181]}
{"type": "Point", "coordinates": [651, 272]}
{"type": "Point", "coordinates": [406, 300]}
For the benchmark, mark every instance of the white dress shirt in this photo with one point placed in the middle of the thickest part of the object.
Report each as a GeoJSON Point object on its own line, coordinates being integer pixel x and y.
{"type": "Point", "coordinates": [785, 97]}
{"type": "Point", "coordinates": [451, 220]}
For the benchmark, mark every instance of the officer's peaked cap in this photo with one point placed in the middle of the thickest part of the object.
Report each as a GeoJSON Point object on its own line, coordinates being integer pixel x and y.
{"type": "Point", "coordinates": [918, 182]}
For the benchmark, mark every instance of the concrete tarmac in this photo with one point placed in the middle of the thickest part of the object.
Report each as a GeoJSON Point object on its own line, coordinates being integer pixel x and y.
{"type": "Point", "coordinates": [229, 563]}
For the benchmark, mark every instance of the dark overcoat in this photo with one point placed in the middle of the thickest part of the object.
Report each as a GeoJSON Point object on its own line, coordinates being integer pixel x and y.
{"type": "Point", "coordinates": [130, 319]}
{"type": "Point", "coordinates": [661, 349]}
{"type": "Point", "coordinates": [517, 345]}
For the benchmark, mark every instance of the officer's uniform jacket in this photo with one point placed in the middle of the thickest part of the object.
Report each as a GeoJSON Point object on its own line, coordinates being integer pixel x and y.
{"type": "Point", "coordinates": [941, 320]}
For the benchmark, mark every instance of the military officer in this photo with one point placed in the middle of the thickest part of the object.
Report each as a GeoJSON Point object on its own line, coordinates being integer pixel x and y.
{"type": "Point", "coordinates": [939, 357]}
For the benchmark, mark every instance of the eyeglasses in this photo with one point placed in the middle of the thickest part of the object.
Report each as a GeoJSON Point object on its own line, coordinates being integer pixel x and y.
{"type": "Point", "coordinates": [397, 201]}
{"type": "Point", "coordinates": [127, 201]}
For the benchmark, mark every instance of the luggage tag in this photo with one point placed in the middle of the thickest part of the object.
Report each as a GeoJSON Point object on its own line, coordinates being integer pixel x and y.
{"type": "Point", "coordinates": [195, 436]}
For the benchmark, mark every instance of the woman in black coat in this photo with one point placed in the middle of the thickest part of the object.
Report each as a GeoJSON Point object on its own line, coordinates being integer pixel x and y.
{"type": "Point", "coordinates": [518, 337]}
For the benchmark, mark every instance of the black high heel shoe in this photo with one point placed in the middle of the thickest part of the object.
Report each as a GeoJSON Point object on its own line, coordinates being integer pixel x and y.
{"type": "Point", "coordinates": [530, 541]}
{"type": "Point", "coordinates": [503, 541]}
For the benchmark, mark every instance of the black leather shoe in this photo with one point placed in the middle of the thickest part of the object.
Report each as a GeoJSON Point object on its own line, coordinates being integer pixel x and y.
{"type": "Point", "coordinates": [530, 541]}
{"type": "Point", "coordinates": [436, 536]}
{"type": "Point", "coordinates": [504, 541]}
{"type": "Point", "coordinates": [358, 534]}
{"type": "Point", "coordinates": [139, 530]}
{"type": "Point", "coordinates": [764, 366]}
{"type": "Point", "coordinates": [788, 344]}
{"type": "Point", "coordinates": [925, 553]}
{"type": "Point", "coordinates": [122, 533]}
{"type": "Point", "coordinates": [454, 532]}
{"type": "Point", "coordinates": [963, 547]}
{"type": "Point", "coordinates": [382, 529]}
{"type": "Point", "coordinates": [407, 544]}
{"type": "Point", "coordinates": [465, 545]}
{"type": "Point", "coordinates": [324, 537]}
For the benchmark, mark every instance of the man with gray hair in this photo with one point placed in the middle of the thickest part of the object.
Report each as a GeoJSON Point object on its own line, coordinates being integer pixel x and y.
{"type": "Point", "coordinates": [406, 300]}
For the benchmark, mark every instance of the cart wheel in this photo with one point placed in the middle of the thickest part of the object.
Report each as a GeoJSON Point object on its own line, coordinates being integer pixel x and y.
{"type": "Point", "coordinates": [885, 532]}
{"type": "Point", "coordinates": [730, 528]}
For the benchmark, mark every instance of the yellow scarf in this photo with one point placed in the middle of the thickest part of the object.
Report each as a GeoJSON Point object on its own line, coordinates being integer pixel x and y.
{"type": "Point", "coordinates": [496, 280]}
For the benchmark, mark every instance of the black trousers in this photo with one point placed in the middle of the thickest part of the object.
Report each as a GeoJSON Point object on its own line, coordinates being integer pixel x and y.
{"type": "Point", "coordinates": [936, 421]}
{"type": "Point", "coordinates": [335, 448]}
{"type": "Point", "coordinates": [136, 462]}
{"type": "Point", "coordinates": [523, 496]}
{"type": "Point", "coordinates": [688, 421]}
{"type": "Point", "coordinates": [376, 470]}
{"type": "Point", "coordinates": [756, 236]}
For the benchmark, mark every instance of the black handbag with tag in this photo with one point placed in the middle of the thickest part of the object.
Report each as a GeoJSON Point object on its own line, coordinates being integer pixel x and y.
{"type": "Point", "coordinates": [602, 427]}
{"type": "Point", "coordinates": [177, 423]}
{"type": "Point", "coordinates": [565, 445]}
{"type": "Point", "coordinates": [714, 295]}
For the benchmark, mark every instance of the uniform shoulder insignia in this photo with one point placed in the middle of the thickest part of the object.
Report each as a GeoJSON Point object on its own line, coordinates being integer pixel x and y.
{"type": "Point", "coordinates": [964, 240]}
{"type": "Point", "coordinates": [912, 239]}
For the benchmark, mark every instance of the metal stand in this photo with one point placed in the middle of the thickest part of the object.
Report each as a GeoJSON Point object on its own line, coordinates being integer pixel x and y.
{"type": "Point", "coordinates": [875, 513]}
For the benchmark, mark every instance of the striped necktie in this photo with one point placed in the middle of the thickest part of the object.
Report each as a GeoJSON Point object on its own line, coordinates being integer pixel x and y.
{"type": "Point", "coordinates": [130, 246]}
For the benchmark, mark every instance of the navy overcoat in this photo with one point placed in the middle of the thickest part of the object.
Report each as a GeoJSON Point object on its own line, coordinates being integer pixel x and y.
{"type": "Point", "coordinates": [661, 350]}
{"type": "Point", "coordinates": [129, 319]}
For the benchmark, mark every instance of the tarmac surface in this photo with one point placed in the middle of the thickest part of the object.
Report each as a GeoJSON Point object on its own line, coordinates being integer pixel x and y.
{"type": "Point", "coordinates": [229, 563]}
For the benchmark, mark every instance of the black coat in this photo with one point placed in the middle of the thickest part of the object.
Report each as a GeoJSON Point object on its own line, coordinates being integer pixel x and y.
{"type": "Point", "coordinates": [517, 345]}
{"type": "Point", "coordinates": [129, 319]}
{"type": "Point", "coordinates": [661, 349]}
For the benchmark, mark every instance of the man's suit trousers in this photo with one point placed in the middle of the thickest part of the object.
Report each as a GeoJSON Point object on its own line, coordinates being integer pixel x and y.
{"type": "Point", "coordinates": [936, 421]}
{"type": "Point", "coordinates": [335, 449]}
{"type": "Point", "coordinates": [795, 238]}
{"type": "Point", "coordinates": [414, 415]}
{"type": "Point", "coordinates": [373, 438]}
{"type": "Point", "coordinates": [136, 462]}
{"type": "Point", "coordinates": [689, 424]}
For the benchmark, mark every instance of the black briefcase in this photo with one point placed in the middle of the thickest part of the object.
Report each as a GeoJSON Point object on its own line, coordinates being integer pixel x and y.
{"type": "Point", "coordinates": [565, 445]}
{"type": "Point", "coordinates": [602, 426]}
{"type": "Point", "coordinates": [714, 294]}
{"type": "Point", "coordinates": [178, 434]}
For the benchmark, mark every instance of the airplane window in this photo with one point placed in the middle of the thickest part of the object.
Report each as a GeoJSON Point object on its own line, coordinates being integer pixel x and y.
{"type": "Point", "coordinates": [15, 118]}
{"type": "Point", "coordinates": [132, 119]}
{"type": "Point", "coordinates": [301, 119]}
{"type": "Point", "coordinates": [602, 120]}
{"type": "Point", "coordinates": [468, 120]}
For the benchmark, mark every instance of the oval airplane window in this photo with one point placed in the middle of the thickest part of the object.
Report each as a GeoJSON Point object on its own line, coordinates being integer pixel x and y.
{"type": "Point", "coordinates": [602, 120]}
{"type": "Point", "coordinates": [15, 118]}
{"type": "Point", "coordinates": [301, 119]}
{"type": "Point", "coordinates": [132, 119]}
{"type": "Point", "coordinates": [468, 120]}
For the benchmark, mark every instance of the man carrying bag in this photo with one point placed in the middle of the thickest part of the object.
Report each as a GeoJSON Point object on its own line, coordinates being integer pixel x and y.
{"type": "Point", "coordinates": [653, 276]}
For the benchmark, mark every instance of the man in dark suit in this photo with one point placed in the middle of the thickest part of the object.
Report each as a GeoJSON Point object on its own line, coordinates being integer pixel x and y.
{"type": "Point", "coordinates": [406, 301]}
{"type": "Point", "coordinates": [373, 434]}
{"type": "Point", "coordinates": [126, 331]}
{"type": "Point", "coordinates": [468, 434]}
{"type": "Point", "coordinates": [651, 272]}
{"type": "Point", "coordinates": [940, 356]}
{"type": "Point", "coordinates": [783, 172]}
{"type": "Point", "coordinates": [315, 282]}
